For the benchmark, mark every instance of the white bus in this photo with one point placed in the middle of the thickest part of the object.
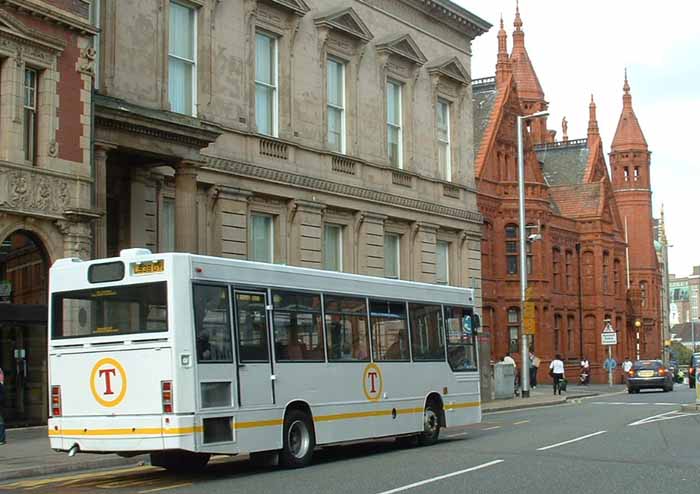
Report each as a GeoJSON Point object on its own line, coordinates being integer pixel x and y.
{"type": "Point", "coordinates": [183, 356]}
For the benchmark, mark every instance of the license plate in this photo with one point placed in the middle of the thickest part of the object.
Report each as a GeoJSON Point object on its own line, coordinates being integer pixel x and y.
{"type": "Point", "coordinates": [149, 267]}
{"type": "Point", "coordinates": [646, 373]}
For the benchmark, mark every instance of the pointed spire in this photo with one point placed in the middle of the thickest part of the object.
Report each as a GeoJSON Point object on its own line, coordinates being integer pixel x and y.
{"type": "Point", "coordinates": [629, 134]}
{"type": "Point", "coordinates": [502, 63]}
{"type": "Point", "coordinates": [593, 130]}
{"type": "Point", "coordinates": [529, 87]}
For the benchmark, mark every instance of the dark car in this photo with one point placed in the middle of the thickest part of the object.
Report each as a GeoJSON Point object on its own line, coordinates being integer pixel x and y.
{"type": "Point", "coordinates": [649, 374]}
{"type": "Point", "coordinates": [693, 369]}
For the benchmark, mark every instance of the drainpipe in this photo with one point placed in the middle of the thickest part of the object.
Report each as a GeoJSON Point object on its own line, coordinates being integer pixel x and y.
{"type": "Point", "coordinates": [580, 301]}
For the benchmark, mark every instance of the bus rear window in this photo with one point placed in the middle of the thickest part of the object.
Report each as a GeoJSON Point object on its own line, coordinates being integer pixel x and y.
{"type": "Point", "coordinates": [105, 311]}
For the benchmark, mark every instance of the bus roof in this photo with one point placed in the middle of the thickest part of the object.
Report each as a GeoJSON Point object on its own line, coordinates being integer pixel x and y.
{"type": "Point", "coordinates": [209, 268]}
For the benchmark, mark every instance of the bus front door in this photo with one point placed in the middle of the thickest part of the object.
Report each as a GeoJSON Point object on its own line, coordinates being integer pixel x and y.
{"type": "Point", "coordinates": [255, 381]}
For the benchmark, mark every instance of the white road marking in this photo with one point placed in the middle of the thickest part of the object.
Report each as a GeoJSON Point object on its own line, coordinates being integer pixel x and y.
{"type": "Point", "coordinates": [441, 477]}
{"type": "Point", "coordinates": [544, 448]}
{"type": "Point", "coordinates": [459, 434]}
{"type": "Point", "coordinates": [661, 417]}
{"type": "Point", "coordinates": [492, 428]}
{"type": "Point", "coordinates": [634, 404]}
{"type": "Point", "coordinates": [521, 422]}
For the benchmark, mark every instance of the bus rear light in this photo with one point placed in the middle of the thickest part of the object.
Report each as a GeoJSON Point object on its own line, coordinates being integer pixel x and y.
{"type": "Point", "coordinates": [166, 395]}
{"type": "Point", "coordinates": [55, 401]}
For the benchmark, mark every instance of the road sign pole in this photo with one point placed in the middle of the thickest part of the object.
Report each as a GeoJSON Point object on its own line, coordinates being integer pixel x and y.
{"type": "Point", "coordinates": [610, 370]}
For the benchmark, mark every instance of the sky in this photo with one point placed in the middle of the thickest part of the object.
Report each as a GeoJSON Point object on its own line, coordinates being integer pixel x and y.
{"type": "Point", "coordinates": [582, 47]}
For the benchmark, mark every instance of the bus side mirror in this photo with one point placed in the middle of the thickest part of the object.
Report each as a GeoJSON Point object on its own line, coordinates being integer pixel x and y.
{"type": "Point", "coordinates": [476, 323]}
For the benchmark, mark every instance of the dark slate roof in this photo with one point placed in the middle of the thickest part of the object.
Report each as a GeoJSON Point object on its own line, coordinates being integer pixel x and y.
{"type": "Point", "coordinates": [483, 97]}
{"type": "Point", "coordinates": [563, 163]}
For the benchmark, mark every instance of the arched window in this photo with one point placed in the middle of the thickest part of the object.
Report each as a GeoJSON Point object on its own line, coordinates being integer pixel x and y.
{"type": "Point", "coordinates": [556, 269]}
{"type": "Point", "coordinates": [616, 276]}
{"type": "Point", "coordinates": [643, 293]}
{"type": "Point", "coordinates": [511, 249]}
{"type": "Point", "coordinates": [569, 271]}
{"type": "Point", "coordinates": [606, 275]}
{"type": "Point", "coordinates": [557, 333]}
{"type": "Point", "coordinates": [570, 321]}
{"type": "Point", "coordinates": [588, 273]}
{"type": "Point", "coordinates": [513, 330]}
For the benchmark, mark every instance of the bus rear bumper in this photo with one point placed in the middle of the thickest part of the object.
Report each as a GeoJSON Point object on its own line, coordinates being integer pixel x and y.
{"type": "Point", "coordinates": [142, 433]}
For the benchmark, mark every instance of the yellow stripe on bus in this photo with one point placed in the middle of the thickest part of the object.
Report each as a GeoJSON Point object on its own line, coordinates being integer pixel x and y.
{"type": "Point", "coordinates": [126, 432]}
{"type": "Point", "coordinates": [247, 425]}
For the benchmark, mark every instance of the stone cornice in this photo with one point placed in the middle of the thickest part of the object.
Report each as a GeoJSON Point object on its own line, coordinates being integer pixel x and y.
{"type": "Point", "coordinates": [452, 15]}
{"type": "Point", "coordinates": [42, 10]}
{"type": "Point", "coordinates": [311, 183]}
{"type": "Point", "coordinates": [13, 28]}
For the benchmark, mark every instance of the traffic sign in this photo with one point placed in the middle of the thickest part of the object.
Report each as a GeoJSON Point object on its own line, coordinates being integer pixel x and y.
{"type": "Point", "coordinates": [609, 336]}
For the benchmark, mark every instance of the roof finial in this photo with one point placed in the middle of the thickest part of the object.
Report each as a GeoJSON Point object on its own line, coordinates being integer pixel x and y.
{"type": "Point", "coordinates": [626, 87]}
{"type": "Point", "coordinates": [593, 130]}
{"type": "Point", "coordinates": [518, 21]}
{"type": "Point", "coordinates": [565, 129]}
{"type": "Point", "coordinates": [662, 227]}
{"type": "Point", "coordinates": [502, 61]}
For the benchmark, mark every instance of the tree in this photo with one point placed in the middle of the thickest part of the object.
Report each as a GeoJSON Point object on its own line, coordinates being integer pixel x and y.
{"type": "Point", "coordinates": [680, 353]}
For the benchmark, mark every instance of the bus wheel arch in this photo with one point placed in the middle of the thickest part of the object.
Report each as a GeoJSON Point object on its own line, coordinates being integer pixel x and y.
{"type": "Point", "coordinates": [436, 399]}
{"type": "Point", "coordinates": [298, 436]}
{"type": "Point", "coordinates": [433, 420]}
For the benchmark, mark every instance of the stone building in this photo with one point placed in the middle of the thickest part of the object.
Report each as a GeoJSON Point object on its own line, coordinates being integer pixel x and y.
{"type": "Point", "coordinates": [577, 269]}
{"type": "Point", "coordinates": [46, 209]}
{"type": "Point", "coordinates": [326, 134]}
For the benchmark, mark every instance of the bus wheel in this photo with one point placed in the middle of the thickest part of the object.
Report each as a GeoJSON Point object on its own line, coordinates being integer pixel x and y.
{"type": "Point", "coordinates": [299, 440]}
{"type": "Point", "coordinates": [180, 461]}
{"type": "Point", "coordinates": [431, 424]}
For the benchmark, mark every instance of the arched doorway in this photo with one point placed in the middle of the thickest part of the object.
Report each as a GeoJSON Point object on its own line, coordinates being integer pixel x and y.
{"type": "Point", "coordinates": [24, 275]}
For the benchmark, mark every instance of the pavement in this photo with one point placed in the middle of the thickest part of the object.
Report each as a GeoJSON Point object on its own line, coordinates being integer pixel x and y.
{"type": "Point", "coordinates": [612, 443]}
{"type": "Point", "coordinates": [27, 452]}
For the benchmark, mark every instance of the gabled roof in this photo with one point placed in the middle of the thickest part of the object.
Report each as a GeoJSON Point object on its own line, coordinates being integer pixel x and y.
{"type": "Point", "coordinates": [452, 68]}
{"type": "Point", "coordinates": [564, 163]}
{"type": "Point", "coordinates": [347, 21]}
{"type": "Point", "coordinates": [578, 201]}
{"type": "Point", "coordinates": [14, 27]}
{"type": "Point", "coordinates": [403, 46]}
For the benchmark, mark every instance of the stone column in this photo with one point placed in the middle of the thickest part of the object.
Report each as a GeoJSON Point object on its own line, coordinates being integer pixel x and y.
{"type": "Point", "coordinates": [424, 251]}
{"type": "Point", "coordinates": [77, 236]}
{"type": "Point", "coordinates": [186, 207]}
{"type": "Point", "coordinates": [231, 222]}
{"type": "Point", "coordinates": [370, 244]}
{"type": "Point", "coordinates": [306, 235]}
{"type": "Point", "coordinates": [100, 161]}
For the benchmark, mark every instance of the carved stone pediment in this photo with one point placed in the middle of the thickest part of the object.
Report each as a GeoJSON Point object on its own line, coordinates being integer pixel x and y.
{"type": "Point", "coordinates": [450, 68]}
{"type": "Point", "coordinates": [346, 21]}
{"type": "Point", "coordinates": [298, 7]}
{"type": "Point", "coordinates": [402, 46]}
{"type": "Point", "coordinates": [14, 28]}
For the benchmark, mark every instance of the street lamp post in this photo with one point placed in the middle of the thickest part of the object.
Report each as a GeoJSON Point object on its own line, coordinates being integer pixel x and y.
{"type": "Point", "coordinates": [524, 350]}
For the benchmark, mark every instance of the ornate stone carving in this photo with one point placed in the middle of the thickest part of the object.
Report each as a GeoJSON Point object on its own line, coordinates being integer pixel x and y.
{"type": "Point", "coordinates": [86, 62]}
{"type": "Point", "coordinates": [53, 148]}
{"type": "Point", "coordinates": [33, 192]}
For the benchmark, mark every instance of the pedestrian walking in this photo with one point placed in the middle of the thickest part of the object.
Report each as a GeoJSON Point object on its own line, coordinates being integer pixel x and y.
{"type": "Point", "coordinates": [507, 359]}
{"type": "Point", "coordinates": [534, 365]}
{"type": "Point", "coordinates": [2, 397]}
{"type": "Point", "coordinates": [556, 370]}
{"type": "Point", "coordinates": [585, 371]}
{"type": "Point", "coordinates": [626, 367]}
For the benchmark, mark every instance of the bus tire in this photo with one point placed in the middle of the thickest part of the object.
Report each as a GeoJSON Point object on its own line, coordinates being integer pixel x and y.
{"type": "Point", "coordinates": [431, 424]}
{"type": "Point", "coordinates": [180, 461]}
{"type": "Point", "coordinates": [298, 441]}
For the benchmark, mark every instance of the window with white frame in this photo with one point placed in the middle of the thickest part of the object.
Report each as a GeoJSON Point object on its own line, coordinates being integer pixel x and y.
{"type": "Point", "coordinates": [443, 137]}
{"type": "Point", "coordinates": [442, 263]}
{"type": "Point", "coordinates": [261, 238]}
{"type": "Point", "coordinates": [391, 255]}
{"type": "Point", "coordinates": [182, 59]}
{"type": "Point", "coordinates": [266, 84]}
{"type": "Point", "coordinates": [31, 78]}
{"type": "Point", "coordinates": [167, 219]}
{"type": "Point", "coordinates": [333, 247]}
{"type": "Point", "coordinates": [336, 105]}
{"type": "Point", "coordinates": [393, 123]}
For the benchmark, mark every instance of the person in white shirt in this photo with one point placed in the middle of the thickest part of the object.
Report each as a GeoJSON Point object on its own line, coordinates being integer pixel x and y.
{"type": "Point", "coordinates": [586, 371]}
{"type": "Point", "coordinates": [509, 360]}
{"type": "Point", "coordinates": [556, 369]}
{"type": "Point", "coordinates": [626, 367]}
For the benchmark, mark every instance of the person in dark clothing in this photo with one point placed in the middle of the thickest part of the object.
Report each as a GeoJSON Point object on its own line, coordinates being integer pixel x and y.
{"type": "Point", "coordinates": [2, 397]}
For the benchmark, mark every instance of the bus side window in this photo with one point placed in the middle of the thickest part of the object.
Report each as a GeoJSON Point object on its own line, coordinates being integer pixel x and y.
{"type": "Point", "coordinates": [346, 328]}
{"type": "Point", "coordinates": [212, 324]}
{"type": "Point", "coordinates": [297, 326]}
{"type": "Point", "coordinates": [389, 330]}
{"type": "Point", "coordinates": [427, 332]}
{"type": "Point", "coordinates": [461, 350]}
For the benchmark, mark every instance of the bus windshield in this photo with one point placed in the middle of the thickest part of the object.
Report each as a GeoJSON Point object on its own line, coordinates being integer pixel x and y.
{"type": "Point", "coordinates": [105, 311]}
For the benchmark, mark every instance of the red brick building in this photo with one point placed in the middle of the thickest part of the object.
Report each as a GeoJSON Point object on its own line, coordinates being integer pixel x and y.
{"type": "Point", "coordinates": [578, 271]}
